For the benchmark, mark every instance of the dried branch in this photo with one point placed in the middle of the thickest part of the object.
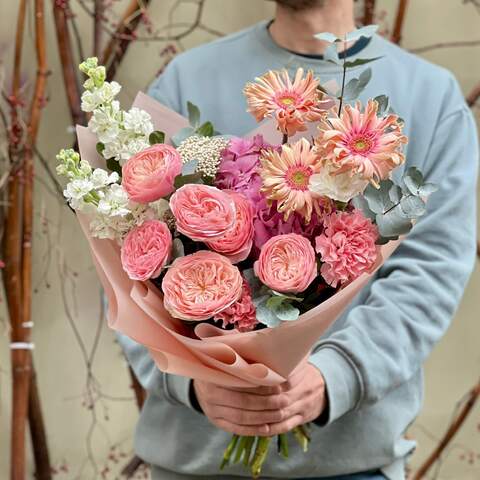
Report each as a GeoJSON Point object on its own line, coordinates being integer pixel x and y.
{"type": "Point", "coordinates": [452, 430]}
{"type": "Point", "coordinates": [69, 69]}
{"type": "Point", "coordinates": [97, 26]}
{"type": "Point", "coordinates": [435, 46]}
{"type": "Point", "coordinates": [399, 21]}
{"type": "Point", "coordinates": [369, 12]}
{"type": "Point", "coordinates": [122, 38]}
{"type": "Point", "coordinates": [473, 96]}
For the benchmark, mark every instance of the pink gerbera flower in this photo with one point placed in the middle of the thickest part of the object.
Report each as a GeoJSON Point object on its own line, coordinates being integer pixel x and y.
{"type": "Point", "coordinates": [362, 143]}
{"type": "Point", "coordinates": [291, 103]}
{"type": "Point", "coordinates": [286, 177]}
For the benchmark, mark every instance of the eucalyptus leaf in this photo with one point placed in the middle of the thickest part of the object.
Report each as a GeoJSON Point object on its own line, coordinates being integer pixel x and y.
{"type": "Point", "coordinates": [178, 249]}
{"type": "Point", "coordinates": [193, 115]}
{"type": "Point", "coordinates": [274, 302]}
{"type": "Point", "coordinates": [181, 135]}
{"type": "Point", "coordinates": [266, 316]}
{"type": "Point", "coordinates": [327, 37]}
{"type": "Point", "coordinates": [383, 102]}
{"type": "Point", "coordinates": [331, 54]}
{"type": "Point", "coordinates": [156, 137]}
{"type": "Point", "coordinates": [356, 85]}
{"type": "Point", "coordinates": [378, 199]}
{"type": "Point", "coordinates": [393, 224]}
{"type": "Point", "coordinates": [286, 312]}
{"type": "Point", "coordinates": [361, 203]}
{"type": "Point", "coordinates": [366, 31]}
{"type": "Point", "coordinates": [427, 189]}
{"type": "Point", "coordinates": [395, 194]}
{"type": "Point", "coordinates": [412, 207]}
{"type": "Point", "coordinates": [190, 167]}
{"type": "Point", "coordinates": [413, 180]}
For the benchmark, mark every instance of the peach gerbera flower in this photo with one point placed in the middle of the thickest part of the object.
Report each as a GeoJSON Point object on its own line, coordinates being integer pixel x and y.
{"type": "Point", "coordinates": [292, 104]}
{"type": "Point", "coordinates": [362, 143]}
{"type": "Point", "coordinates": [286, 177]}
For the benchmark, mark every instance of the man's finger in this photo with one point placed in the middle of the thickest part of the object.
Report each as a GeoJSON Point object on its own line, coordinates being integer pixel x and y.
{"type": "Point", "coordinates": [285, 426]}
{"type": "Point", "coordinates": [249, 417]}
{"type": "Point", "coordinates": [248, 401]}
{"type": "Point", "coordinates": [250, 431]}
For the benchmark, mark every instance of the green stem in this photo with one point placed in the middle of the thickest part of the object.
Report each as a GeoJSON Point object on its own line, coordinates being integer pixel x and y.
{"type": "Point", "coordinates": [284, 139]}
{"type": "Point", "coordinates": [260, 455]}
{"type": "Point", "coordinates": [301, 437]}
{"type": "Point", "coordinates": [344, 75]}
{"type": "Point", "coordinates": [283, 441]}
{"type": "Point", "coordinates": [228, 451]}
{"type": "Point", "coordinates": [248, 450]}
{"type": "Point", "coordinates": [240, 449]}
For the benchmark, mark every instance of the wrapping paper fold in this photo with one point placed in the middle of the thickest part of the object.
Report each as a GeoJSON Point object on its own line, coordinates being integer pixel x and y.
{"type": "Point", "coordinates": [264, 357]}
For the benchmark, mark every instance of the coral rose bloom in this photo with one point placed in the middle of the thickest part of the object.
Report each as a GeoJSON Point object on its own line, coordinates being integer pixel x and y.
{"type": "Point", "coordinates": [200, 286]}
{"type": "Point", "coordinates": [347, 247]}
{"type": "Point", "coordinates": [146, 249]}
{"type": "Point", "coordinates": [292, 104]}
{"type": "Point", "coordinates": [286, 178]}
{"type": "Point", "coordinates": [237, 242]}
{"type": "Point", "coordinates": [202, 212]}
{"type": "Point", "coordinates": [150, 174]}
{"type": "Point", "coordinates": [362, 143]}
{"type": "Point", "coordinates": [287, 263]}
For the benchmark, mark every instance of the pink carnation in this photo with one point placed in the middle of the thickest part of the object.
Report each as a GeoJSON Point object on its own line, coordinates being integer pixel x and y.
{"type": "Point", "coordinates": [242, 314]}
{"type": "Point", "coordinates": [202, 212]}
{"type": "Point", "coordinates": [150, 174]}
{"type": "Point", "coordinates": [146, 249]}
{"type": "Point", "coordinates": [347, 246]}
{"type": "Point", "coordinates": [237, 242]}
{"type": "Point", "coordinates": [287, 263]}
{"type": "Point", "coordinates": [199, 286]}
{"type": "Point", "coordinates": [239, 165]}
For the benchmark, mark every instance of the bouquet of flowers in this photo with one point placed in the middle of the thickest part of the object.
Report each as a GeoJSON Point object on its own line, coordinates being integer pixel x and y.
{"type": "Point", "coordinates": [218, 252]}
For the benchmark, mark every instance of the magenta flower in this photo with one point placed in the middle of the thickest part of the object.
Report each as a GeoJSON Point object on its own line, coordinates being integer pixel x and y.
{"type": "Point", "coordinates": [347, 247]}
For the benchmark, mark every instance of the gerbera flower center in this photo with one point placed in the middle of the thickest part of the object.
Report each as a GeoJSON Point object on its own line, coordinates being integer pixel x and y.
{"type": "Point", "coordinates": [361, 144]}
{"type": "Point", "coordinates": [298, 177]}
{"type": "Point", "coordinates": [287, 100]}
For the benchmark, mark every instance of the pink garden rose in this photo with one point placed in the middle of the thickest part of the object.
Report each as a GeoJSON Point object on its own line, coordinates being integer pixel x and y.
{"type": "Point", "coordinates": [237, 242]}
{"type": "Point", "coordinates": [347, 247]}
{"type": "Point", "coordinates": [238, 170]}
{"type": "Point", "coordinates": [146, 249]}
{"type": "Point", "coordinates": [242, 314]}
{"type": "Point", "coordinates": [199, 286]}
{"type": "Point", "coordinates": [287, 263]}
{"type": "Point", "coordinates": [150, 174]}
{"type": "Point", "coordinates": [202, 212]}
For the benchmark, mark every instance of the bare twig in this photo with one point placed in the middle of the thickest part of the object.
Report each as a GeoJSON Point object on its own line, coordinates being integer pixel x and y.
{"type": "Point", "coordinates": [369, 12]}
{"type": "Point", "coordinates": [399, 21]}
{"type": "Point", "coordinates": [435, 46]}
{"type": "Point", "coordinates": [473, 96]}
{"type": "Point", "coordinates": [97, 27]}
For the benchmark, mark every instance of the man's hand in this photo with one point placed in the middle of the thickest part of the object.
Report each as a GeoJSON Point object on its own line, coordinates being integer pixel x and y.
{"type": "Point", "coordinates": [264, 411]}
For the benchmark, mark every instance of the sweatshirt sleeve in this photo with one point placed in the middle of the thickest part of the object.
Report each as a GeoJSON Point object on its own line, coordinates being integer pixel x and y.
{"type": "Point", "coordinates": [174, 388]}
{"type": "Point", "coordinates": [410, 304]}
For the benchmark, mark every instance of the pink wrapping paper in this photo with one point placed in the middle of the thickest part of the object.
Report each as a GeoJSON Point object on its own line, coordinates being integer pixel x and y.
{"type": "Point", "coordinates": [264, 357]}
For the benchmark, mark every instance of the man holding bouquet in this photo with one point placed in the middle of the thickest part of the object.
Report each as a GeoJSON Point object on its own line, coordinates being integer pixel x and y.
{"type": "Point", "coordinates": [362, 385]}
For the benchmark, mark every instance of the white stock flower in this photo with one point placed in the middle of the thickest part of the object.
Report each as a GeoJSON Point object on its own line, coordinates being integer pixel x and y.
{"type": "Point", "coordinates": [115, 201]}
{"type": "Point", "coordinates": [130, 148]}
{"type": "Point", "coordinates": [90, 101]}
{"type": "Point", "coordinates": [108, 91]}
{"type": "Point", "coordinates": [104, 95]}
{"type": "Point", "coordinates": [105, 122]}
{"type": "Point", "coordinates": [341, 187]}
{"type": "Point", "coordinates": [78, 188]}
{"type": "Point", "coordinates": [101, 178]}
{"type": "Point", "coordinates": [138, 121]}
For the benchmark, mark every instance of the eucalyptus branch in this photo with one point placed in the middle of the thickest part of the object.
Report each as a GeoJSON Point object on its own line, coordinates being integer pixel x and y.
{"type": "Point", "coordinates": [344, 75]}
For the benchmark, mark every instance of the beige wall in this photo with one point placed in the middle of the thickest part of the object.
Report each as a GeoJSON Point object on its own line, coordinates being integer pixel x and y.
{"type": "Point", "coordinates": [58, 245]}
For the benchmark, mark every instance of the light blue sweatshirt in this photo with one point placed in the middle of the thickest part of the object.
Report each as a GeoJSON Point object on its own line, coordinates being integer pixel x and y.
{"type": "Point", "coordinates": [372, 356]}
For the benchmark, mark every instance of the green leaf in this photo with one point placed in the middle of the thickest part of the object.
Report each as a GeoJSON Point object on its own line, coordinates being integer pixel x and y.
{"type": "Point", "coordinates": [183, 134]}
{"type": "Point", "coordinates": [360, 61]}
{"type": "Point", "coordinates": [100, 148]}
{"type": "Point", "coordinates": [156, 137]}
{"type": "Point", "coordinates": [193, 115]}
{"type": "Point", "coordinates": [178, 249]}
{"type": "Point", "coordinates": [383, 102]}
{"type": "Point", "coordinates": [361, 203]}
{"type": "Point", "coordinates": [356, 85]}
{"type": "Point", "coordinates": [181, 180]}
{"type": "Point", "coordinates": [286, 312]}
{"type": "Point", "coordinates": [114, 166]}
{"type": "Point", "coordinates": [274, 302]}
{"type": "Point", "coordinates": [378, 199]}
{"type": "Point", "coordinates": [412, 207]}
{"type": "Point", "coordinates": [366, 31]}
{"type": "Point", "coordinates": [206, 129]}
{"type": "Point", "coordinates": [393, 224]}
{"type": "Point", "coordinates": [190, 167]}
{"type": "Point", "coordinates": [427, 189]}
{"type": "Point", "coordinates": [327, 37]}
{"type": "Point", "coordinates": [395, 194]}
{"type": "Point", "coordinates": [413, 180]}
{"type": "Point", "coordinates": [266, 316]}
{"type": "Point", "coordinates": [331, 54]}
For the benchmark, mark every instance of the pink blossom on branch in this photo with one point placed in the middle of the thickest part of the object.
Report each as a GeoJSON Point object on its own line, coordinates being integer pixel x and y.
{"type": "Point", "coordinates": [347, 247]}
